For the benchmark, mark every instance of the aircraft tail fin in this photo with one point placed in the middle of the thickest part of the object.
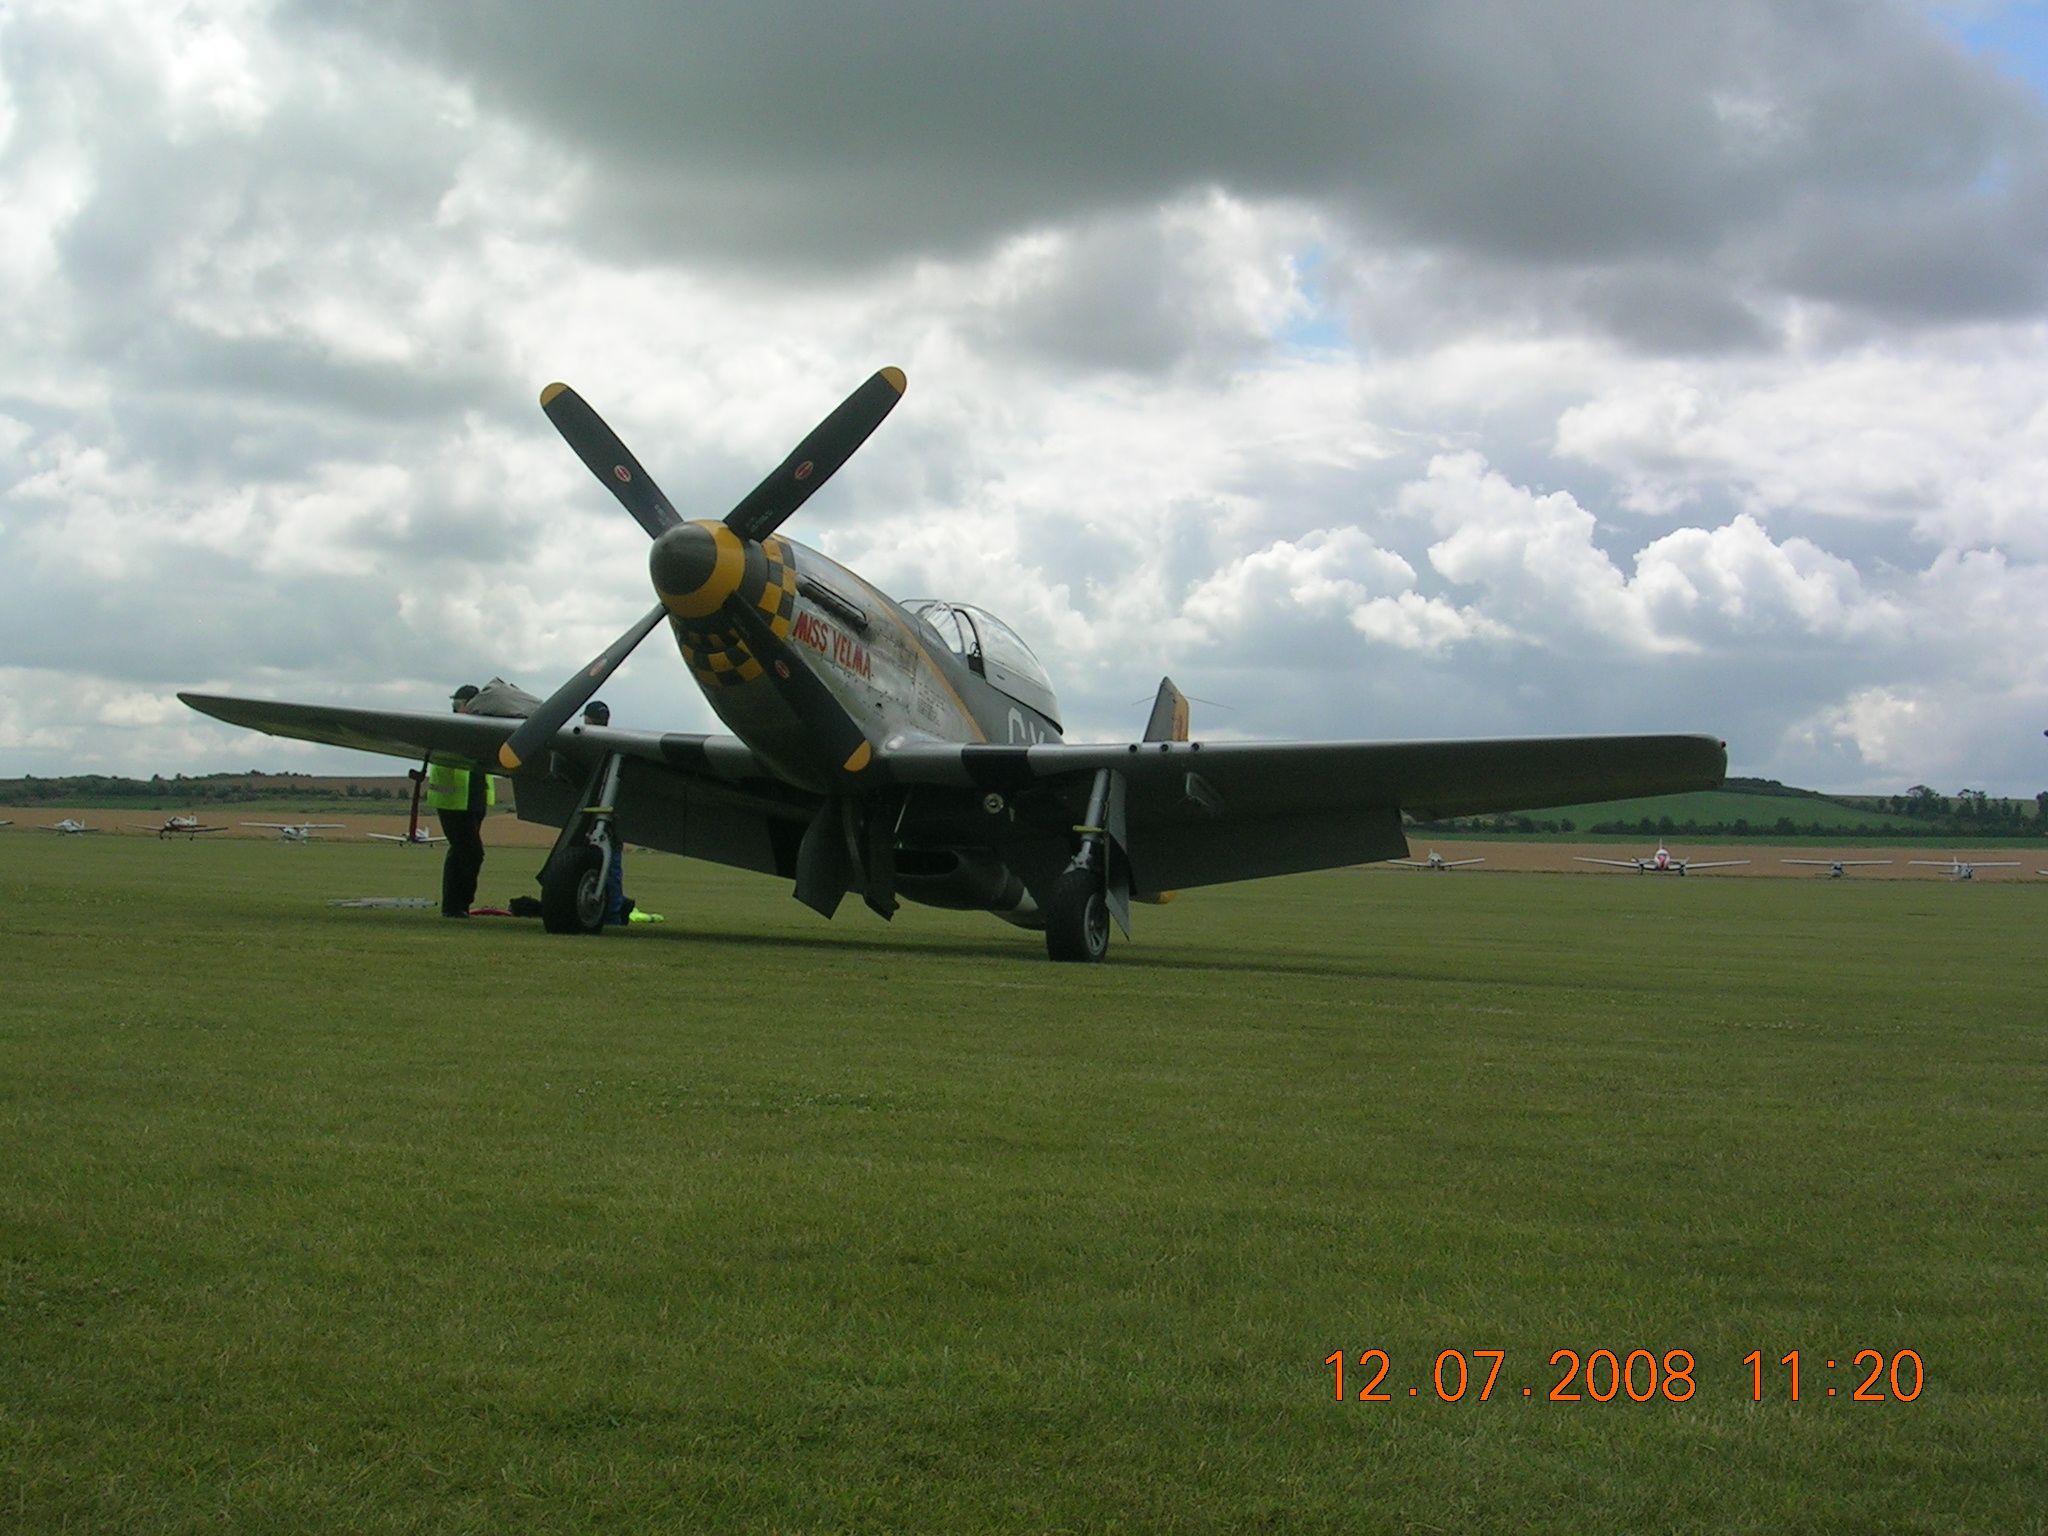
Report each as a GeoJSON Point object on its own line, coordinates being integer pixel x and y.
{"type": "Point", "coordinates": [1169, 720]}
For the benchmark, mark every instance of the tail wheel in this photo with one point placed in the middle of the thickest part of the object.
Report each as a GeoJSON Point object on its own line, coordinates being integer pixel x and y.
{"type": "Point", "coordinates": [574, 900]}
{"type": "Point", "coordinates": [1077, 918]}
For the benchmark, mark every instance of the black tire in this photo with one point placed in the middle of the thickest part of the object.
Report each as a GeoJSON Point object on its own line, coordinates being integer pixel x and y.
{"type": "Point", "coordinates": [573, 901]}
{"type": "Point", "coordinates": [1077, 919]}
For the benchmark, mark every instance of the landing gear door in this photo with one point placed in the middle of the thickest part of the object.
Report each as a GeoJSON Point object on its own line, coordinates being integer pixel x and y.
{"type": "Point", "coordinates": [1116, 888]}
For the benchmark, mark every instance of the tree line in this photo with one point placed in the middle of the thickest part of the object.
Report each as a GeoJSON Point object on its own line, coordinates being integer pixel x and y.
{"type": "Point", "coordinates": [219, 788]}
{"type": "Point", "coordinates": [1918, 812]}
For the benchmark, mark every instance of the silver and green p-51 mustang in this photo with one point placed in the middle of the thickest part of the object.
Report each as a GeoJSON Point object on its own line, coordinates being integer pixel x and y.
{"type": "Point", "coordinates": [914, 749]}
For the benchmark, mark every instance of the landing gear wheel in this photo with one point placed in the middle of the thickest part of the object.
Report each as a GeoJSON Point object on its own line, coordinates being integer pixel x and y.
{"type": "Point", "coordinates": [573, 902]}
{"type": "Point", "coordinates": [1077, 918]}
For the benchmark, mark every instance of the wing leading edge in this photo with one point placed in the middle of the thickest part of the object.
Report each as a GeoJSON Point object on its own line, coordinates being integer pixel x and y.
{"type": "Point", "coordinates": [472, 741]}
{"type": "Point", "coordinates": [705, 796]}
{"type": "Point", "coordinates": [1206, 813]}
{"type": "Point", "coordinates": [1430, 780]}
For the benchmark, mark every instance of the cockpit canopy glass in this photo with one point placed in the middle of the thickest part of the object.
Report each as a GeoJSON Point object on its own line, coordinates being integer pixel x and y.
{"type": "Point", "coordinates": [991, 648]}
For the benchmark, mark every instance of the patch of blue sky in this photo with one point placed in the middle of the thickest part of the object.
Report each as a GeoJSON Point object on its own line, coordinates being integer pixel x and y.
{"type": "Point", "coordinates": [2013, 34]}
{"type": "Point", "coordinates": [1318, 326]}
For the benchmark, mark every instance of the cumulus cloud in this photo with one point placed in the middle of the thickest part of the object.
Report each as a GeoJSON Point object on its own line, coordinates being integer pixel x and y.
{"type": "Point", "coordinates": [1382, 369]}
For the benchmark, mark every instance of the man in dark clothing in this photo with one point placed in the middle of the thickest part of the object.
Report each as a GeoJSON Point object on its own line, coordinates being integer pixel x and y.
{"type": "Point", "coordinates": [461, 799]}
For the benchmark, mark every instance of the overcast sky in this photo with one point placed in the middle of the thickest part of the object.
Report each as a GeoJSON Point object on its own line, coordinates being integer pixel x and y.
{"type": "Point", "coordinates": [1377, 369]}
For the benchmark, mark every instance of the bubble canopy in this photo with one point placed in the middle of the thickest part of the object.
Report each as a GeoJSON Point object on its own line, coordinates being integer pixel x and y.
{"type": "Point", "coordinates": [991, 648]}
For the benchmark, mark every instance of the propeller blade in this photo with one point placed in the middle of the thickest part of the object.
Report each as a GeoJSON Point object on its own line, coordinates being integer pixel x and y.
{"type": "Point", "coordinates": [842, 744]}
{"type": "Point", "coordinates": [817, 458]}
{"type": "Point", "coordinates": [539, 727]}
{"type": "Point", "coordinates": [598, 446]}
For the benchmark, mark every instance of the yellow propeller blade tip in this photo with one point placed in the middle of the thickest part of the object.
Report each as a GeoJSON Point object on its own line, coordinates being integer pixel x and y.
{"type": "Point", "coordinates": [506, 759]}
{"type": "Point", "coordinates": [547, 396]}
{"type": "Point", "coordinates": [859, 758]}
{"type": "Point", "coordinates": [896, 379]}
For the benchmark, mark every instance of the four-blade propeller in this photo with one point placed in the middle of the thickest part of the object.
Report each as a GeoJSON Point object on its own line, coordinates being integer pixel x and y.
{"type": "Point", "coordinates": [759, 513]}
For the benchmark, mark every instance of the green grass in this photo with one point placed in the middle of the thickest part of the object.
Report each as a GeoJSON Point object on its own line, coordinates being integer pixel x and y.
{"type": "Point", "coordinates": [362, 1221]}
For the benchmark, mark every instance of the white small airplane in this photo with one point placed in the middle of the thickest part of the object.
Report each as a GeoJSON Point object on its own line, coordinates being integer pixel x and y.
{"type": "Point", "coordinates": [1434, 861]}
{"type": "Point", "coordinates": [187, 827]}
{"type": "Point", "coordinates": [418, 837]}
{"type": "Point", "coordinates": [295, 831]}
{"type": "Point", "coordinates": [1957, 869]}
{"type": "Point", "coordinates": [70, 826]}
{"type": "Point", "coordinates": [1836, 868]}
{"type": "Point", "coordinates": [1661, 863]}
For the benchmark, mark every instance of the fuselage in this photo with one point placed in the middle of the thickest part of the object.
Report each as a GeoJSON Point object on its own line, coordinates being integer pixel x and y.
{"type": "Point", "coordinates": [885, 663]}
{"type": "Point", "coordinates": [898, 671]}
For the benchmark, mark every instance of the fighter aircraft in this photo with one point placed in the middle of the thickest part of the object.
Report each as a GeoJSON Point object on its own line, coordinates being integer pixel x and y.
{"type": "Point", "coordinates": [915, 749]}
{"type": "Point", "coordinates": [1661, 863]}
{"type": "Point", "coordinates": [418, 837]}
{"type": "Point", "coordinates": [1958, 869]}
{"type": "Point", "coordinates": [1434, 861]}
{"type": "Point", "coordinates": [187, 827]}
{"type": "Point", "coordinates": [1836, 868]}
{"type": "Point", "coordinates": [70, 826]}
{"type": "Point", "coordinates": [295, 831]}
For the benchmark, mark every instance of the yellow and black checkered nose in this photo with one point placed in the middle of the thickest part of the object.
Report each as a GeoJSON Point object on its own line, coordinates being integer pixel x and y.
{"type": "Point", "coordinates": [700, 567]}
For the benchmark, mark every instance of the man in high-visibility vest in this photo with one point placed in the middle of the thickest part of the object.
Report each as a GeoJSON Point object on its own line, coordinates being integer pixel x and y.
{"type": "Point", "coordinates": [460, 798]}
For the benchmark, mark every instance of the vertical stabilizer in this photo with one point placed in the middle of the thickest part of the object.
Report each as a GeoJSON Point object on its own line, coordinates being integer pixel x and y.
{"type": "Point", "coordinates": [1169, 720]}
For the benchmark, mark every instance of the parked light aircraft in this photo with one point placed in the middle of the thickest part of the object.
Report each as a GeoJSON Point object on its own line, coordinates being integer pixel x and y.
{"type": "Point", "coordinates": [1836, 868]}
{"type": "Point", "coordinates": [915, 749]}
{"type": "Point", "coordinates": [1958, 869]}
{"type": "Point", "coordinates": [1661, 863]}
{"type": "Point", "coordinates": [295, 831]}
{"type": "Point", "coordinates": [70, 826]}
{"type": "Point", "coordinates": [418, 837]}
{"type": "Point", "coordinates": [187, 827]}
{"type": "Point", "coordinates": [1435, 861]}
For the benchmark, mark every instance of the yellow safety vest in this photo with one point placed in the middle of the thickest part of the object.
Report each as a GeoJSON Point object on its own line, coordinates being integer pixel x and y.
{"type": "Point", "coordinates": [448, 788]}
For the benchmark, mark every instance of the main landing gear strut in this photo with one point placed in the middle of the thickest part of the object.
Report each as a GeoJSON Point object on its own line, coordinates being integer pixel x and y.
{"type": "Point", "coordinates": [575, 882]}
{"type": "Point", "coordinates": [1096, 884]}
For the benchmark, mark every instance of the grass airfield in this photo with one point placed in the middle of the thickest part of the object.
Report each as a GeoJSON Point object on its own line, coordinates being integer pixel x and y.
{"type": "Point", "coordinates": [314, 1219]}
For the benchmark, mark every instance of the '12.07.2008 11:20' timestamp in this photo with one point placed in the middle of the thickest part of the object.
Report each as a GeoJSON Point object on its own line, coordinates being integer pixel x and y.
{"type": "Point", "coordinates": [1636, 1376]}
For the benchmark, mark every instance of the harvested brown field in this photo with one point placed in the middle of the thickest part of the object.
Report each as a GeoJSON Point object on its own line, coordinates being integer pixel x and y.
{"type": "Point", "coordinates": [502, 830]}
{"type": "Point", "coordinates": [505, 830]}
{"type": "Point", "coordinates": [1765, 859]}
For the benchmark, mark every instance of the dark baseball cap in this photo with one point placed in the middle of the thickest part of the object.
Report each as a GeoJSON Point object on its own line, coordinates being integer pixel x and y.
{"type": "Point", "coordinates": [466, 691]}
{"type": "Point", "coordinates": [597, 712]}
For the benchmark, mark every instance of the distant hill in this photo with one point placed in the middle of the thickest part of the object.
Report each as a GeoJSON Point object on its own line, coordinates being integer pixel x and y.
{"type": "Point", "coordinates": [1766, 808]}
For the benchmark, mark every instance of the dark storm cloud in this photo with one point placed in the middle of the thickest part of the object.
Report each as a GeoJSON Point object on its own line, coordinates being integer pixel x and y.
{"type": "Point", "coordinates": [1603, 133]}
{"type": "Point", "coordinates": [1668, 310]}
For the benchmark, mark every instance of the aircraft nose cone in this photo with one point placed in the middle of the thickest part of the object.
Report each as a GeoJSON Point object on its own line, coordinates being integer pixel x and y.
{"type": "Point", "coordinates": [682, 560]}
{"type": "Point", "coordinates": [696, 567]}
